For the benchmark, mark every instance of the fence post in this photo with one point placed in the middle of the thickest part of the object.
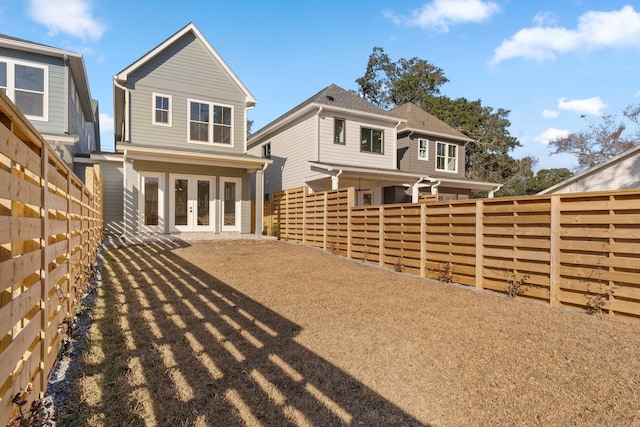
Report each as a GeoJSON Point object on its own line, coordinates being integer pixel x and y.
{"type": "Point", "coordinates": [305, 190]}
{"type": "Point", "coordinates": [423, 239]}
{"type": "Point", "coordinates": [479, 245]}
{"type": "Point", "coordinates": [554, 255]}
{"type": "Point", "coordinates": [44, 262]}
{"type": "Point", "coordinates": [350, 202]}
{"type": "Point", "coordinates": [381, 236]}
{"type": "Point", "coordinates": [324, 221]}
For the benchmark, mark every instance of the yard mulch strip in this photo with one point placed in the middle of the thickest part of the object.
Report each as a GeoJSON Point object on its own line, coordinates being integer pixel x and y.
{"type": "Point", "coordinates": [261, 332]}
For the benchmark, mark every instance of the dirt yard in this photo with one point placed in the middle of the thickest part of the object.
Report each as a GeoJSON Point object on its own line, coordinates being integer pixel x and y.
{"type": "Point", "coordinates": [268, 333]}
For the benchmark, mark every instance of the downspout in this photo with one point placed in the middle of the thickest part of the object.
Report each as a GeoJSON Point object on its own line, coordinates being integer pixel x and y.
{"type": "Point", "coordinates": [318, 139]}
{"type": "Point", "coordinates": [395, 148]}
{"type": "Point", "coordinates": [125, 123]}
{"type": "Point", "coordinates": [66, 91]}
{"type": "Point", "coordinates": [492, 192]}
{"type": "Point", "coordinates": [434, 188]}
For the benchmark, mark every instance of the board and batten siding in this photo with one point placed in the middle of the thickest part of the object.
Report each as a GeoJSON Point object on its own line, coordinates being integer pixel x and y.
{"type": "Point", "coordinates": [185, 70]}
{"type": "Point", "coordinates": [349, 153]}
{"type": "Point", "coordinates": [408, 160]}
{"type": "Point", "coordinates": [55, 86]}
{"type": "Point", "coordinates": [291, 150]}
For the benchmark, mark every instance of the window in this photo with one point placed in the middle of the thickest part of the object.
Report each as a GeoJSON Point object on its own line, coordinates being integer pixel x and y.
{"type": "Point", "coordinates": [26, 85]}
{"type": "Point", "coordinates": [423, 149]}
{"type": "Point", "coordinates": [221, 124]}
{"type": "Point", "coordinates": [266, 150]}
{"type": "Point", "coordinates": [161, 109]}
{"type": "Point", "coordinates": [446, 157]}
{"type": "Point", "coordinates": [338, 131]}
{"type": "Point", "coordinates": [371, 140]}
{"type": "Point", "coordinates": [210, 123]}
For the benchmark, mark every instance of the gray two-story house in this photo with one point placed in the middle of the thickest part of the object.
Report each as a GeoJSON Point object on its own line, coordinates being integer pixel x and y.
{"type": "Point", "coordinates": [180, 125]}
{"type": "Point", "coordinates": [336, 139]}
{"type": "Point", "coordinates": [50, 86]}
{"type": "Point", "coordinates": [430, 147]}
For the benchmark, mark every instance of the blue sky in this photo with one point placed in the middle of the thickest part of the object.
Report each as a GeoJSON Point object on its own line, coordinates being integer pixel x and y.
{"type": "Point", "coordinates": [558, 65]}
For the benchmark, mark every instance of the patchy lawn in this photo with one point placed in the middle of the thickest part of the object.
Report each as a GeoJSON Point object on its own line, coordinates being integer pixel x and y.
{"type": "Point", "coordinates": [268, 333]}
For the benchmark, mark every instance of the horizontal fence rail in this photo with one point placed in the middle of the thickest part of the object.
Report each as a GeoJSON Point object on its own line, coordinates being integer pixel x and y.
{"type": "Point", "coordinates": [579, 251]}
{"type": "Point", "coordinates": [50, 229]}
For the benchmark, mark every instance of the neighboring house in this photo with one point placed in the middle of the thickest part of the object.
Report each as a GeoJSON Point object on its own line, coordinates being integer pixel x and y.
{"type": "Point", "coordinates": [619, 173]}
{"type": "Point", "coordinates": [180, 125]}
{"type": "Point", "coordinates": [336, 139]}
{"type": "Point", "coordinates": [50, 87]}
{"type": "Point", "coordinates": [430, 147]}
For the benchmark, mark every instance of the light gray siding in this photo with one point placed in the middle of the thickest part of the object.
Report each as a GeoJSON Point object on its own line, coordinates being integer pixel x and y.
{"type": "Point", "coordinates": [113, 189]}
{"type": "Point", "coordinates": [408, 160]}
{"type": "Point", "coordinates": [349, 153]}
{"type": "Point", "coordinates": [55, 86]}
{"type": "Point", "coordinates": [618, 175]}
{"type": "Point", "coordinates": [291, 150]}
{"type": "Point", "coordinates": [185, 70]}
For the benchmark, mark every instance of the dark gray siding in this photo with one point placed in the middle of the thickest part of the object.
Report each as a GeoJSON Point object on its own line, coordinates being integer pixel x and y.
{"type": "Point", "coordinates": [408, 156]}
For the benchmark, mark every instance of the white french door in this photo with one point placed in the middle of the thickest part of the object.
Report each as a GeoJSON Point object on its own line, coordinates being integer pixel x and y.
{"type": "Point", "coordinates": [230, 195]}
{"type": "Point", "coordinates": [191, 203]}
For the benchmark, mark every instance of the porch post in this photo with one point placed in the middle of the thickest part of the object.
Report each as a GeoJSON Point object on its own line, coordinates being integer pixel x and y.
{"type": "Point", "coordinates": [259, 198]}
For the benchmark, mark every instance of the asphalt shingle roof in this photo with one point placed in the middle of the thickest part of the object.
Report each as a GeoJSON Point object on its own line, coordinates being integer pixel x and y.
{"type": "Point", "coordinates": [418, 119]}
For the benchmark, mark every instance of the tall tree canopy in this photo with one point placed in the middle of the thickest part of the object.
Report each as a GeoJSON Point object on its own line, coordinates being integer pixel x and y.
{"type": "Point", "coordinates": [389, 84]}
{"type": "Point", "coordinates": [600, 141]}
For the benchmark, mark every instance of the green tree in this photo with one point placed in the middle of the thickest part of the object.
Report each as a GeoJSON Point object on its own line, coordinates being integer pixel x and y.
{"type": "Point", "coordinates": [600, 141]}
{"type": "Point", "coordinates": [546, 178]}
{"type": "Point", "coordinates": [389, 84]}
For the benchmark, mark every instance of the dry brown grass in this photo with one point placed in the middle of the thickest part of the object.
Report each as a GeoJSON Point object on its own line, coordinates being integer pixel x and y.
{"type": "Point", "coordinates": [268, 333]}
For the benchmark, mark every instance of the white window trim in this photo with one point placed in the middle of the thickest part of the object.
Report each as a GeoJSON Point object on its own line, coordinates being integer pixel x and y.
{"type": "Point", "coordinates": [266, 148]}
{"type": "Point", "coordinates": [446, 156]}
{"type": "Point", "coordinates": [10, 90]}
{"type": "Point", "coordinates": [211, 124]}
{"type": "Point", "coordinates": [154, 95]}
{"type": "Point", "coordinates": [426, 149]}
{"type": "Point", "coordinates": [381, 152]}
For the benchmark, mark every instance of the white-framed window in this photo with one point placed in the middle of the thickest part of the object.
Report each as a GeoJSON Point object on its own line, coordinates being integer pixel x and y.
{"type": "Point", "coordinates": [266, 150]}
{"type": "Point", "coordinates": [423, 149]}
{"type": "Point", "coordinates": [446, 157]}
{"type": "Point", "coordinates": [371, 140]}
{"type": "Point", "coordinates": [27, 85]}
{"type": "Point", "coordinates": [210, 123]}
{"type": "Point", "coordinates": [161, 109]}
{"type": "Point", "coordinates": [339, 129]}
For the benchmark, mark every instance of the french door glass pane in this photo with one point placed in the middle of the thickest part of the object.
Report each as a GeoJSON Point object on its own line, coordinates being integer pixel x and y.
{"type": "Point", "coordinates": [150, 201]}
{"type": "Point", "coordinates": [203, 202]}
{"type": "Point", "coordinates": [181, 199]}
{"type": "Point", "coordinates": [229, 203]}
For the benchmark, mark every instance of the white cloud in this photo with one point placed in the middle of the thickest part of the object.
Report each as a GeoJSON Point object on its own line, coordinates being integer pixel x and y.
{"type": "Point", "coordinates": [637, 94]}
{"type": "Point", "coordinates": [106, 123]}
{"type": "Point", "coordinates": [550, 114]}
{"type": "Point", "coordinates": [440, 14]}
{"type": "Point", "coordinates": [595, 30]}
{"type": "Point", "coordinates": [551, 134]}
{"type": "Point", "coordinates": [72, 17]}
{"type": "Point", "coordinates": [543, 18]}
{"type": "Point", "coordinates": [593, 106]}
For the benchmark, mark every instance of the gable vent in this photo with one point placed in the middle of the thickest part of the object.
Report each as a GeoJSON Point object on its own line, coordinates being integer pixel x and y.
{"type": "Point", "coordinates": [330, 98]}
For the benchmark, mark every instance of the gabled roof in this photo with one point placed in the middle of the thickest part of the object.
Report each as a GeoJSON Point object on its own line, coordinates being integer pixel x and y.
{"type": "Point", "coordinates": [602, 166]}
{"type": "Point", "coordinates": [123, 75]}
{"type": "Point", "coordinates": [419, 121]}
{"type": "Point", "coordinates": [334, 98]}
{"type": "Point", "coordinates": [76, 64]}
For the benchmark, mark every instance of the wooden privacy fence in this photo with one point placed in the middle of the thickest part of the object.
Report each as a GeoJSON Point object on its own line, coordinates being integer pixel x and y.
{"type": "Point", "coordinates": [580, 250]}
{"type": "Point", "coordinates": [50, 229]}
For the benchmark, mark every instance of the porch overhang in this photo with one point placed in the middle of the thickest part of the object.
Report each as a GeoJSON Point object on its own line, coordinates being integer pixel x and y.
{"type": "Point", "coordinates": [250, 163]}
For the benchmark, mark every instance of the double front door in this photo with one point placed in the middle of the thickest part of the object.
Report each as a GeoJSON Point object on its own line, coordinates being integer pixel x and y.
{"type": "Point", "coordinates": [192, 206]}
{"type": "Point", "coordinates": [191, 202]}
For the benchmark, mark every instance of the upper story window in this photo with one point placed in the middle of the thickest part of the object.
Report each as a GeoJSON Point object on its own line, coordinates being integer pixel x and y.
{"type": "Point", "coordinates": [339, 131]}
{"type": "Point", "coordinates": [446, 157]}
{"type": "Point", "coordinates": [266, 150]}
{"type": "Point", "coordinates": [423, 149]}
{"type": "Point", "coordinates": [210, 123]}
{"type": "Point", "coordinates": [161, 109]}
{"type": "Point", "coordinates": [26, 85]}
{"type": "Point", "coordinates": [371, 140]}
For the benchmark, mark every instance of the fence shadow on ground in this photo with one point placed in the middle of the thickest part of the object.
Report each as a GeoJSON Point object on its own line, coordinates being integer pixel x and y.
{"type": "Point", "coordinates": [177, 346]}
